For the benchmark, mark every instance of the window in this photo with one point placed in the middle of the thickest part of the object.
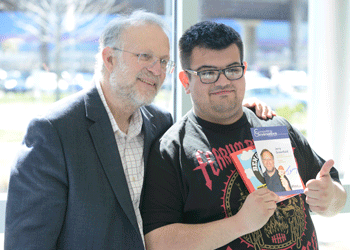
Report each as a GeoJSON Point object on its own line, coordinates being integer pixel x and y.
{"type": "Point", "coordinates": [50, 56]}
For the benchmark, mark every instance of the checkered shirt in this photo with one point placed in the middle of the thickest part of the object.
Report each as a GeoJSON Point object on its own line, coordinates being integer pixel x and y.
{"type": "Point", "coordinates": [130, 148]}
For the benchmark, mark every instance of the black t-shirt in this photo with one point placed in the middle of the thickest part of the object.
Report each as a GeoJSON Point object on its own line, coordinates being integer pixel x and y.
{"type": "Point", "coordinates": [191, 179]}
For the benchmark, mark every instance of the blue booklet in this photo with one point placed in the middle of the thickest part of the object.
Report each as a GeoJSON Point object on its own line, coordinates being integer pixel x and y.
{"type": "Point", "coordinates": [279, 166]}
{"type": "Point", "coordinates": [269, 163]}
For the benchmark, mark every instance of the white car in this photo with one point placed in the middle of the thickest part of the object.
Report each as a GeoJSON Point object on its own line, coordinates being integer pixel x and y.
{"type": "Point", "coordinates": [275, 98]}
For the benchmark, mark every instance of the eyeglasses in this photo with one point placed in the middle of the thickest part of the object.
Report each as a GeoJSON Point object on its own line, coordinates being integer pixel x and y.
{"type": "Point", "coordinates": [268, 160]}
{"type": "Point", "coordinates": [211, 76]}
{"type": "Point", "coordinates": [149, 60]}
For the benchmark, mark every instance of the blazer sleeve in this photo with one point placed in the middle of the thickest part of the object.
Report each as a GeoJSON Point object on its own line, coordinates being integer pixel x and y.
{"type": "Point", "coordinates": [37, 193]}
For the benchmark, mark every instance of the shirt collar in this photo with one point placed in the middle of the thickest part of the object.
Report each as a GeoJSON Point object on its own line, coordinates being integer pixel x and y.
{"type": "Point", "coordinates": [135, 125]}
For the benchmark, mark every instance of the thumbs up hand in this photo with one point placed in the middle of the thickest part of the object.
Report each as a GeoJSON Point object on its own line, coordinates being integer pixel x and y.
{"type": "Point", "coordinates": [320, 192]}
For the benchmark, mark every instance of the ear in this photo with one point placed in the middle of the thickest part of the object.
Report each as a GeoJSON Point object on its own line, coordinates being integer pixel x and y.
{"type": "Point", "coordinates": [107, 57]}
{"type": "Point", "coordinates": [185, 81]}
{"type": "Point", "coordinates": [245, 66]}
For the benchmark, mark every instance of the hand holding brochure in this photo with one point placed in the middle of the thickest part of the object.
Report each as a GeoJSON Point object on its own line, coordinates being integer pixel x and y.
{"type": "Point", "coordinates": [270, 163]}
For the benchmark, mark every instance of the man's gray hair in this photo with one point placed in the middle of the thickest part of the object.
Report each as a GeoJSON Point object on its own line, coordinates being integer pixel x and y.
{"type": "Point", "coordinates": [112, 34]}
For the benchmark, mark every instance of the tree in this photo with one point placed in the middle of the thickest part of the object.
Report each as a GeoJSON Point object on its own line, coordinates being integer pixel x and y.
{"type": "Point", "coordinates": [51, 19]}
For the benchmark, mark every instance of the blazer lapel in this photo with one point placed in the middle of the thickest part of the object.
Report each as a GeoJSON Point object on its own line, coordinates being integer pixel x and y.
{"type": "Point", "coordinates": [103, 138]}
{"type": "Point", "coordinates": [149, 130]}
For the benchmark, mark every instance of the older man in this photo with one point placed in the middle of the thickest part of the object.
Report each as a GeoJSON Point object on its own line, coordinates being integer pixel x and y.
{"type": "Point", "coordinates": [78, 177]}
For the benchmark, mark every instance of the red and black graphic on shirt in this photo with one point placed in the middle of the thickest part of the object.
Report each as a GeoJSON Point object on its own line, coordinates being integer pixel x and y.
{"type": "Point", "coordinates": [218, 159]}
{"type": "Point", "coordinates": [288, 228]}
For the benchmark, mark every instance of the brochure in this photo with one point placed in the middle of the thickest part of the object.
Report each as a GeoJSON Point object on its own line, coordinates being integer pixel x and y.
{"type": "Point", "coordinates": [248, 167]}
{"type": "Point", "coordinates": [270, 163]}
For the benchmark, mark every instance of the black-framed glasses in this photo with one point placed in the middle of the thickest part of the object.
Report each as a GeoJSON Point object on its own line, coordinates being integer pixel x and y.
{"type": "Point", "coordinates": [148, 60]}
{"type": "Point", "coordinates": [212, 75]}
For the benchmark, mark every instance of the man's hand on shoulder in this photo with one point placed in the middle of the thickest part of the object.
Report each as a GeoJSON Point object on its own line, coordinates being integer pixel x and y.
{"type": "Point", "coordinates": [261, 109]}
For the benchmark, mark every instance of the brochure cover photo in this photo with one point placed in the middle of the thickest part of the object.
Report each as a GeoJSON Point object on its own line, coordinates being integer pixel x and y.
{"type": "Point", "coordinates": [248, 166]}
{"type": "Point", "coordinates": [279, 167]}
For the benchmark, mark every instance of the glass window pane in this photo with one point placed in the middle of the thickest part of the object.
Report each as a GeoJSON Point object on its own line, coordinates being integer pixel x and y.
{"type": "Point", "coordinates": [48, 56]}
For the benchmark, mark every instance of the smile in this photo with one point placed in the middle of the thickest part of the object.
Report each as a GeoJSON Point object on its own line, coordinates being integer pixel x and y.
{"type": "Point", "coordinates": [148, 82]}
{"type": "Point", "coordinates": [222, 92]}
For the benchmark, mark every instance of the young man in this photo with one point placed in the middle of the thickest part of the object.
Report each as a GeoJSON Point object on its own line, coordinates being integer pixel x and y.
{"type": "Point", "coordinates": [78, 177]}
{"type": "Point", "coordinates": [193, 196]}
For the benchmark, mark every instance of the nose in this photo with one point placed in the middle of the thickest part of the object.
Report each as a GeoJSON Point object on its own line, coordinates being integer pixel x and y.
{"type": "Point", "coordinates": [155, 67]}
{"type": "Point", "coordinates": [222, 80]}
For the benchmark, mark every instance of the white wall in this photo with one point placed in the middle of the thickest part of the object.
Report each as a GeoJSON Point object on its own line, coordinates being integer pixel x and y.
{"type": "Point", "coordinates": [329, 61]}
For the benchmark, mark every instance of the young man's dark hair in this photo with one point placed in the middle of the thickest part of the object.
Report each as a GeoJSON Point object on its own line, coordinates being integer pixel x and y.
{"type": "Point", "coordinates": [208, 35]}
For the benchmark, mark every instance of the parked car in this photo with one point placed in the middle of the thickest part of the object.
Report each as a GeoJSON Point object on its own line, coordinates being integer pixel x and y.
{"type": "Point", "coordinates": [81, 80]}
{"type": "Point", "coordinates": [42, 80]}
{"type": "Point", "coordinates": [68, 82]}
{"type": "Point", "coordinates": [295, 82]}
{"type": "Point", "coordinates": [256, 79]}
{"type": "Point", "coordinates": [274, 97]}
{"type": "Point", "coordinates": [3, 76]}
{"type": "Point", "coordinates": [15, 81]}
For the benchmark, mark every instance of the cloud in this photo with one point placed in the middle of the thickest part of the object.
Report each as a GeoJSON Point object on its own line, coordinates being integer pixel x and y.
{"type": "Point", "coordinates": [249, 173]}
{"type": "Point", "coordinates": [247, 155]}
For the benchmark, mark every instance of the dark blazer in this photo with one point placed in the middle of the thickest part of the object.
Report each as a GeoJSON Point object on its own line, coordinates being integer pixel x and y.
{"type": "Point", "coordinates": [67, 189]}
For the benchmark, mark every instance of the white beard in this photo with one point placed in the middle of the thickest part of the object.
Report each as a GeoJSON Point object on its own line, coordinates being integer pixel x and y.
{"type": "Point", "coordinates": [128, 92]}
